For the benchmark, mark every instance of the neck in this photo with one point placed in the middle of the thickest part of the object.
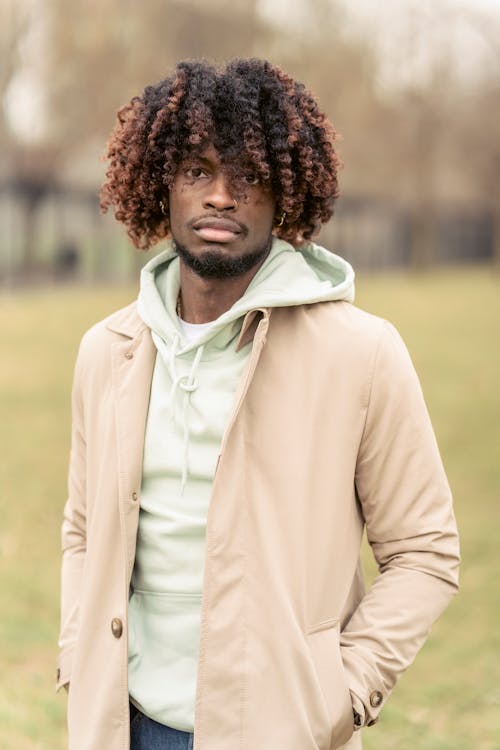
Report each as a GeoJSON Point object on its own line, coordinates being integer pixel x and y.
{"type": "Point", "coordinates": [203, 300]}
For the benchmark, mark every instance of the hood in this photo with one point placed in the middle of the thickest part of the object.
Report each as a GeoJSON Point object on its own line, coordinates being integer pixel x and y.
{"type": "Point", "coordinates": [288, 277]}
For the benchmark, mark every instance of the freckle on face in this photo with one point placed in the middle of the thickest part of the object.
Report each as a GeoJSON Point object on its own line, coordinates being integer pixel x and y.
{"type": "Point", "coordinates": [209, 195]}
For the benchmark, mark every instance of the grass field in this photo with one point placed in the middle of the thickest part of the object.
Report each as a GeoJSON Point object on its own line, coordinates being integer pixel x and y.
{"type": "Point", "coordinates": [450, 699]}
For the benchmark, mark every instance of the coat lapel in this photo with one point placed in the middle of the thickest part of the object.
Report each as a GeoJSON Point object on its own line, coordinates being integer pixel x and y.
{"type": "Point", "coordinates": [133, 357]}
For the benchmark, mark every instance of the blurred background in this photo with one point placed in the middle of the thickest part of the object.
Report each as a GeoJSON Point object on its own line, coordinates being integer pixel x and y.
{"type": "Point", "coordinates": [413, 87]}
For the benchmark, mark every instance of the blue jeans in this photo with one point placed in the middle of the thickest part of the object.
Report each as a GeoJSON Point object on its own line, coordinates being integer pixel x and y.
{"type": "Point", "coordinates": [146, 734]}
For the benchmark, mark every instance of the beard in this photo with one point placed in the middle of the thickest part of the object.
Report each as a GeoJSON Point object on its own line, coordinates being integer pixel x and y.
{"type": "Point", "coordinates": [213, 265]}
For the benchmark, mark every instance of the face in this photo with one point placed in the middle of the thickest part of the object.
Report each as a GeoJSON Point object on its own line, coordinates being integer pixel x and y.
{"type": "Point", "coordinates": [221, 228]}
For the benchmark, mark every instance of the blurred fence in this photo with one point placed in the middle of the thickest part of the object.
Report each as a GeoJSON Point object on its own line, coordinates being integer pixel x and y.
{"type": "Point", "coordinates": [374, 234]}
{"type": "Point", "coordinates": [53, 233]}
{"type": "Point", "coordinates": [57, 233]}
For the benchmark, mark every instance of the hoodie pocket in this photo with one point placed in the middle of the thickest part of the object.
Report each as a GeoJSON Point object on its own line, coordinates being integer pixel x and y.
{"type": "Point", "coordinates": [324, 646]}
{"type": "Point", "coordinates": [163, 654]}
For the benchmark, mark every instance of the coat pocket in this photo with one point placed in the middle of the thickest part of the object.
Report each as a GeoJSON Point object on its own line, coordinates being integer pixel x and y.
{"type": "Point", "coordinates": [324, 646]}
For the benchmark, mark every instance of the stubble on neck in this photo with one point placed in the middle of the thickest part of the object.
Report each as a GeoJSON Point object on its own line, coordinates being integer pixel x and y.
{"type": "Point", "coordinates": [211, 283]}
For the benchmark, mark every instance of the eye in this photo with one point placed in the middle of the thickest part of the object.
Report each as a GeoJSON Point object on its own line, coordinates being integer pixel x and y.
{"type": "Point", "coordinates": [251, 178]}
{"type": "Point", "coordinates": [194, 173]}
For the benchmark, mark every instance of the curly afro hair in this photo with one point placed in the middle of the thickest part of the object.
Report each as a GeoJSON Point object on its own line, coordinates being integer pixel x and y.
{"type": "Point", "coordinates": [253, 113]}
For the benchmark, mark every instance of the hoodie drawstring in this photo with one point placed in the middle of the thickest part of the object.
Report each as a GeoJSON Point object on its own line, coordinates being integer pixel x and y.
{"type": "Point", "coordinates": [188, 384]}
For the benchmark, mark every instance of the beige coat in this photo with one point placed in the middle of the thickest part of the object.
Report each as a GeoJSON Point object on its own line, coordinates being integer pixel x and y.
{"type": "Point", "coordinates": [329, 433]}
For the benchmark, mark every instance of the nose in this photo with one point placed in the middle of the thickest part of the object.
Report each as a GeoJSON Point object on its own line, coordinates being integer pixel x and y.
{"type": "Point", "coordinates": [219, 195]}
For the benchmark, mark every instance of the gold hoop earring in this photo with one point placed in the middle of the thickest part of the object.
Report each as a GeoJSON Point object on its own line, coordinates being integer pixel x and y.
{"type": "Point", "coordinates": [163, 209]}
{"type": "Point", "coordinates": [279, 222]}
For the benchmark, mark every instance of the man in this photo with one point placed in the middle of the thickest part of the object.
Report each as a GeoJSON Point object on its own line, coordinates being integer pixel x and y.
{"type": "Point", "coordinates": [233, 433]}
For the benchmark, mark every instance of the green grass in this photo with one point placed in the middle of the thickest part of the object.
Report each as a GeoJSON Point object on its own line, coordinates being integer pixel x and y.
{"type": "Point", "coordinates": [450, 698]}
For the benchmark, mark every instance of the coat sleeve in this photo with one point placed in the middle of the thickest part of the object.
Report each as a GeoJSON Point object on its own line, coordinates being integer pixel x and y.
{"type": "Point", "coordinates": [73, 534]}
{"type": "Point", "coordinates": [407, 507]}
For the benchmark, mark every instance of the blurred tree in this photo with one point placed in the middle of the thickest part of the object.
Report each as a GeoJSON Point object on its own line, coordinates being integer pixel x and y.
{"type": "Point", "coordinates": [424, 88]}
{"type": "Point", "coordinates": [97, 55]}
{"type": "Point", "coordinates": [33, 177]}
{"type": "Point", "coordinates": [26, 167]}
{"type": "Point", "coordinates": [102, 52]}
{"type": "Point", "coordinates": [412, 132]}
{"type": "Point", "coordinates": [482, 118]}
{"type": "Point", "coordinates": [15, 21]}
{"type": "Point", "coordinates": [340, 67]}
{"type": "Point", "coordinates": [447, 151]}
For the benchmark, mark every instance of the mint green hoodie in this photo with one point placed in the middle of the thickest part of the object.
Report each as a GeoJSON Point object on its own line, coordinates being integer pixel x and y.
{"type": "Point", "coordinates": [192, 391]}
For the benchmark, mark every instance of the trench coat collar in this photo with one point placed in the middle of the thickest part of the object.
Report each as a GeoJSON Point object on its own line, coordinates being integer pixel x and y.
{"type": "Point", "coordinates": [127, 322]}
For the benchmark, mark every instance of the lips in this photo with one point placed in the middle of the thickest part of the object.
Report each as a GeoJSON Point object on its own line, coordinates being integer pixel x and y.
{"type": "Point", "coordinates": [213, 229]}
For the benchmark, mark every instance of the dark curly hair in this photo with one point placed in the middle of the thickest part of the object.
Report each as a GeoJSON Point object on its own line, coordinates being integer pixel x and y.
{"type": "Point", "coordinates": [253, 113]}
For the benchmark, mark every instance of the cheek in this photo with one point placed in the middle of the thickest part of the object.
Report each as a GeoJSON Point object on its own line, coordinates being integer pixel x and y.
{"type": "Point", "coordinates": [175, 197]}
{"type": "Point", "coordinates": [177, 207]}
{"type": "Point", "coordinates": [265, 207]}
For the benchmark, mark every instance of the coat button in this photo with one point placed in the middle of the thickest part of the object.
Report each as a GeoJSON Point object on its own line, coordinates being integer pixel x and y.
{"type": "Point", "coordinates": [116, 627]}
{"type": "Point", "coordinates": [376, 698]}
{"type": "Point", "coordinates": [134, 496]}
{"type": "Point", "coordinates": [129, 355]}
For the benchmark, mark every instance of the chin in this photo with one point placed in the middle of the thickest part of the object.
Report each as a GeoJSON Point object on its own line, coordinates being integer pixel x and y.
{"type": "Point", "coordinates": [218, 262]}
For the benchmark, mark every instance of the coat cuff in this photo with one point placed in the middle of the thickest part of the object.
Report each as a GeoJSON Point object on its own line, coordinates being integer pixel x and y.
{"type": "Point", "coordinates": [63, 671]}
{"type": "Point", "coordinates": [358, 711]}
